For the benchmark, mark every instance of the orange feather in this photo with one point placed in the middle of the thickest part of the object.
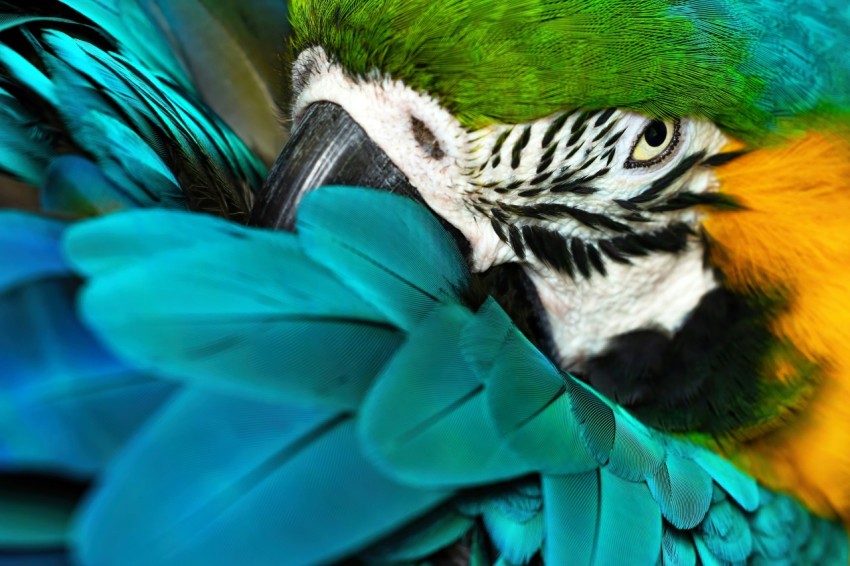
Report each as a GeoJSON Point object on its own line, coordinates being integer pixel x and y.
{"type": "Point", "coordinates": [794, 236]}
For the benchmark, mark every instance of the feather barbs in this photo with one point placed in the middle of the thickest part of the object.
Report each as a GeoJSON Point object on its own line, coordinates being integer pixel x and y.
{"type": "Point", "coordinates": [792, 237]}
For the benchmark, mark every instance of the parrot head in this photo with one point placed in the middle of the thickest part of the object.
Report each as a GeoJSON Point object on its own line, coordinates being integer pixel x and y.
{"type": "Point", "coordinates": [665, 183]}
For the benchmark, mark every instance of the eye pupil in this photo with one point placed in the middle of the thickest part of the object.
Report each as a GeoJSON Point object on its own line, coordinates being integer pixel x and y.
{"type": "Point", "coordinates": [655, 133]}
{"type": "Point", "coordinates": [657, 141]}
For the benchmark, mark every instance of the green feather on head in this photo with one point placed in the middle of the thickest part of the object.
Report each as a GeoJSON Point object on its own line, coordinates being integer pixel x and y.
{"type": "Point", "coordinates": [747, 66]}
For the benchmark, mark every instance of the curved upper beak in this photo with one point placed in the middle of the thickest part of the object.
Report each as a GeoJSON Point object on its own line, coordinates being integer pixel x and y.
{"type": "Point", "coordinates": [327, 147]}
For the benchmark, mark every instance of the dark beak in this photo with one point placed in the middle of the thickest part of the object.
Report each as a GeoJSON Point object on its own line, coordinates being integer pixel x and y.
{"type": "Point", "coordinates": [327, 147]}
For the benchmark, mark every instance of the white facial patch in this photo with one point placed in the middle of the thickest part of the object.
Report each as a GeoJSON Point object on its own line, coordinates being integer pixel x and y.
{"type": "Point", "coordinates": [386, 110]}
{"type": "Point", "coordinates": [655, 293]}
{"type": "Point", "coordinates": [607, 235]}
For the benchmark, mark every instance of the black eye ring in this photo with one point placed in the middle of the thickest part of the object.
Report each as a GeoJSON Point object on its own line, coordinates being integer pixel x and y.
{"type": "Point", "coordinates": [655, 129]}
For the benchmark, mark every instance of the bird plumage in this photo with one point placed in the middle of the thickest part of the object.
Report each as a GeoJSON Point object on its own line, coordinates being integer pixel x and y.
{"type": "Point", "coordinates": [463, 401]}
{"type": "Point", "coordinates": [771, 77]}
{"type": "Point", "coordinates": [350, 390]}
{"type": "Point", "coordinates": [747, 66]}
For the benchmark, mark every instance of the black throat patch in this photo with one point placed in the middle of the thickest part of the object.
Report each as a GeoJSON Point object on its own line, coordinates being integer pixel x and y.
{"type": "Point", "coordinates": [715, 375]}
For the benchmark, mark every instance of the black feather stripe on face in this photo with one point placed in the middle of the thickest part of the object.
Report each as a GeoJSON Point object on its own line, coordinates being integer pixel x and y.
{"type": "Point", "coordinates": [563, 254]}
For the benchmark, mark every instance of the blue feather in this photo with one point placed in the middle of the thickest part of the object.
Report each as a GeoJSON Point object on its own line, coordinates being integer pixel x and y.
{"type": "Point", "coordinates": [726, 532]}
{"type": "Point", "coordinates": [427, 402]}
{"type": "Point", "coordinates": [34, 558]}
{"type": "Point", "coordinates": [515, 523]}
{"type": "Point", "coordinates": [405, 276]}
{"type": "Point", "coordinates": [27, 73]}
{"type": "Point", "coordinates": [30, 248]}
{"type": "Point", "coordinates": [65, 402]}
{"type": "Point", "coordinates": [677, 548]}
{"type": "Point", "coordinates": [136, 33]}
{"type": "Point", "coordinates": [448, 400]}
{"type": "Point", "coordinates": [132, 112]}
{"type": "Point", "coordinates": [706, 557]}
{"type": "Point", "coordinates": [255, 324]}
{"type": "Point", "coordinates": [23, 153]}
{"type": "Point", "coordinates": [683, 491]}
{"type": "Point", "coordinates": [742, 488]}
{"type": "Point", "coordinates": [260, 483]}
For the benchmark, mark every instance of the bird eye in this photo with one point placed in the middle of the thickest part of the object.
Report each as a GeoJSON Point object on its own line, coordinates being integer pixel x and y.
{"type": "Point", "coordinates": [656, 142]}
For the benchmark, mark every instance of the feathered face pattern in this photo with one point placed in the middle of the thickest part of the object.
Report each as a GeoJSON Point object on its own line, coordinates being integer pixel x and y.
{"type": "Point", "coordinates": [603, 160]}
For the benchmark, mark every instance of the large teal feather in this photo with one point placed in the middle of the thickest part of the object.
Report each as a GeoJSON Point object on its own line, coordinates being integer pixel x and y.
{"type": "Point", "coordinates": [572, 507]}
{"type": "Point", "coordinates": [118, 241]}
{"type": "Point", "coordinates": [525, 395]}
{"type": "Point", "coordinates": [408, 275]}
{"type": "Point", "coordinates": [597, 518]}
{"type": "Point", "coordinates": [428, 402]}
{"type": "Point", "coordinates": [65, 402]}
{"type": "Point", "coordinates": [289, 331]}
{"type": "Point", "coordinates": [259, 484]}
{"type": "Point", "coordinates": [441, 412]}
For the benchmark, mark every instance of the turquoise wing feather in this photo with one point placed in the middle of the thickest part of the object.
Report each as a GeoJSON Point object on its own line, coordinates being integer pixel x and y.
{"type": "Point", "coordinates": [260, 484]}
{"type": "Point", "coordinates": [227, 52]}
{"type": "Point", "coordinates": [227, 327]}
{"type": "Point", "coordinates": [454, 412]}
{"type": "Point", "coordinates": [66, 404]}
{"type": "Point", "coordinates": [106, 106]}
{"type": "Point", "coordinates": [127, 114]}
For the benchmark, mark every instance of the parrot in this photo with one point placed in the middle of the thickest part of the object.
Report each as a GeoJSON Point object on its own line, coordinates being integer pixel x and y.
{"type": "Point", "coordinates": [588, 307]}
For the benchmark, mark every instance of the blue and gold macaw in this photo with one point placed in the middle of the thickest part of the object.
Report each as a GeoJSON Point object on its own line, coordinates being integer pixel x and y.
{"type": "Point", "coordinates": [595, 312]}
